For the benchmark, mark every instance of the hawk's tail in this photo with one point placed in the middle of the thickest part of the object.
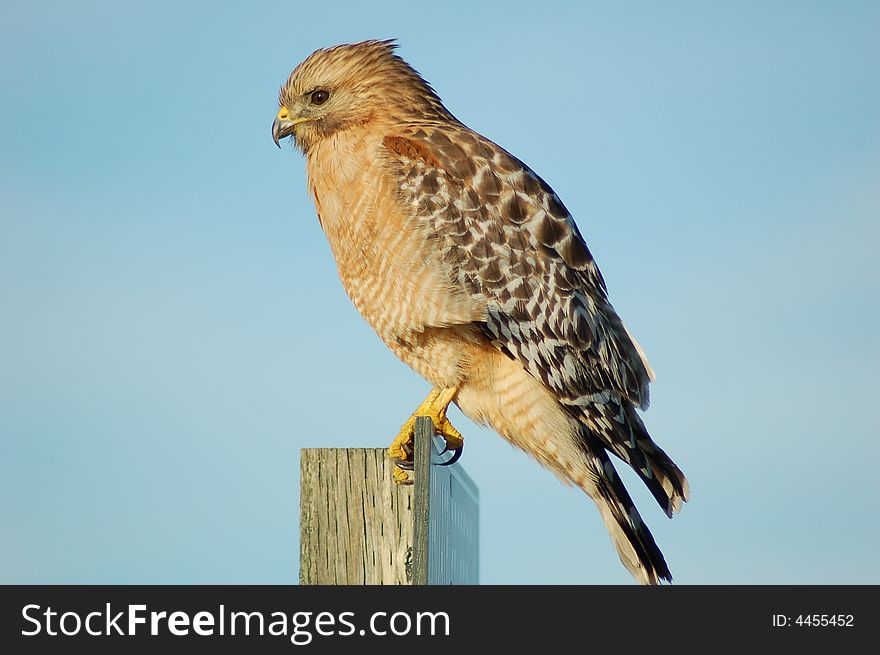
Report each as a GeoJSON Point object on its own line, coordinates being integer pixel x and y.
{"type": "Point", "coordinates": [622, 432]}
{"type": "Point", "coordinates": [635, 545]}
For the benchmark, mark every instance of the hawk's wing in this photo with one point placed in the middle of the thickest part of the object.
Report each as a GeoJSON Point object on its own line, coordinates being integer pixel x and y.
{"type": "Point", "coordinates": [507, 238]}
{"type": "Point", "coordinates": [504, 236]}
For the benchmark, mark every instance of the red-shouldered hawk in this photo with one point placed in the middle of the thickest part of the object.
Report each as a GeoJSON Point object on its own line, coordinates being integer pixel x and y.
{"type": "Point", "coordinates": [472, 271]}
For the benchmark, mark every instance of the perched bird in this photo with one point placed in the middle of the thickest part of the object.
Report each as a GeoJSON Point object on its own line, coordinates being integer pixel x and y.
{"type": "Point", "coordinates": [473, 272]}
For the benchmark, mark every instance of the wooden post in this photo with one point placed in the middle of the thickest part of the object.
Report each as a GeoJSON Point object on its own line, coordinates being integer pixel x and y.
{"type": "Point", "coordinates": [423, 450]}
{"type": "Point", "coordinates": [358, 527]}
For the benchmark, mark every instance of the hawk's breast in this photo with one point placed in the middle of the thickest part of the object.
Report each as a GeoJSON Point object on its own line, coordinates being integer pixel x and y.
{"type": "Point", "coordinates": [388, 265]}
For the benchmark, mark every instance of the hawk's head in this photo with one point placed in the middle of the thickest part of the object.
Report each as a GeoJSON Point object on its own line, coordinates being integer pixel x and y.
{"type": "Point", "coordinates": [350, 85]}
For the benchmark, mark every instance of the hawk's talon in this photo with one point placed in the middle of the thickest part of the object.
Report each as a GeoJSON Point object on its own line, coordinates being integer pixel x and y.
{"type": "Point", "coordinates": [434, 406]}
{"type": "Point", "coordinates": [456, 454]}
{"type": "Point", "coordinates": [406, 465]}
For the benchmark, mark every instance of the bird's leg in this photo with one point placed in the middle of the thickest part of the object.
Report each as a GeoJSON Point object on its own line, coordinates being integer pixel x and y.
{"type": "Point", "coordinates": [435, 405]}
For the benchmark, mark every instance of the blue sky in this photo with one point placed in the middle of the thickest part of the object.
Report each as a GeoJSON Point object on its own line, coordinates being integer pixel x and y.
{"type": "Point", "coordinates": [172, 330]}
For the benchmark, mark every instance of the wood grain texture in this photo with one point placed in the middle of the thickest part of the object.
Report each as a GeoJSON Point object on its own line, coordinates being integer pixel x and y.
{"type": "Point", "coordinates": [358, 527]}
{"type": "Point", "coordinates": [356, 524]}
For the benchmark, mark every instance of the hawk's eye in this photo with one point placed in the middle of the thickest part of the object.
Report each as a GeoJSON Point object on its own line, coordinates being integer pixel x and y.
{"type": "Point", "coordinates": [320, 96]}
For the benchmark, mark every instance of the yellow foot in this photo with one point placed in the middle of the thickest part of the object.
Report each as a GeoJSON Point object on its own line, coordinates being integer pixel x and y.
{"type": "Point", "coordinates": [401, 476]}
{"type": "Point", "coordinates": [434, 406]}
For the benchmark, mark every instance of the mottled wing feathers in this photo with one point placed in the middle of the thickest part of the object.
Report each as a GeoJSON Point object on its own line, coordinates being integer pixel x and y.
{"type": "Point", "coordinates": [505, 237]}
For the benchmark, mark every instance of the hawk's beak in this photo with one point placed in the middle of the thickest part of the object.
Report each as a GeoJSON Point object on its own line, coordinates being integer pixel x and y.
{"type": "Point", "coordinates": [284, 125]}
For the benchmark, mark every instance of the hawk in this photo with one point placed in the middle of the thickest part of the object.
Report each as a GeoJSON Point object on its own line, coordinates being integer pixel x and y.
{"type": "Point", "coordinates": [473, 272]}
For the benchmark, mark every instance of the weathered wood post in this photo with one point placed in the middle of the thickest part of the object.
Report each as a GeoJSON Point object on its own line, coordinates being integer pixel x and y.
{"type": "Point", "coordinates": [358, 527]}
